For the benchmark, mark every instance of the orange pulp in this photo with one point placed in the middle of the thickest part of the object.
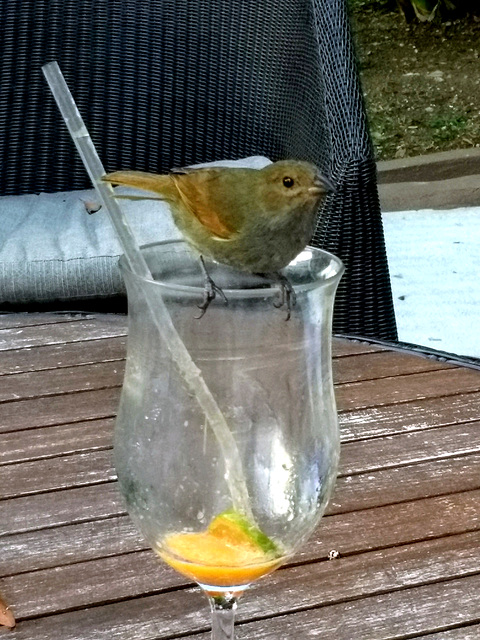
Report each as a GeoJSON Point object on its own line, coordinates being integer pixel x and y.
{"type": "Point", "coordinates": [225, 555]}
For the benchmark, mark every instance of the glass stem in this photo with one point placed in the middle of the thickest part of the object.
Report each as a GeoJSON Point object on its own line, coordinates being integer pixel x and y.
{"type": "Point", "coordinates": [223, 616]}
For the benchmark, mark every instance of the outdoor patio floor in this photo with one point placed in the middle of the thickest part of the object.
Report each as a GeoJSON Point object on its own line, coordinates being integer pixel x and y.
{"type": "Point", "coordinates": [434, 261]}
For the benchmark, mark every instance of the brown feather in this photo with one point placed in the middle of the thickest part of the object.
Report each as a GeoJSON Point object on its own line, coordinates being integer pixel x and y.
{"type": "Point", "coordinates": [195, 190]}
{"type": "Point", "coordinates": [161, 184]}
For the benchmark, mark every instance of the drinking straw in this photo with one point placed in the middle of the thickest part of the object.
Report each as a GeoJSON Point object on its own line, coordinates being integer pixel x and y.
{"type": "Point", "coordinates": [190, 372]}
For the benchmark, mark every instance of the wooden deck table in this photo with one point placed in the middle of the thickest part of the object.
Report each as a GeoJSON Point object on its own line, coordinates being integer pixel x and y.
{"type": "Point", "coordinates": [404, 519]}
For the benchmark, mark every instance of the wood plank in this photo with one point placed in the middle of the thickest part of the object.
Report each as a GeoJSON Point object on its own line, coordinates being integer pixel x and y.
{"type": "Point", "coordinates": [85, 329]}
{"type": "Point", "coordinates": [47, 442]}
{"type": "Point", "coordinates": [410, 482]}
{"type": "Point", "coordinates": [62, 409]}
{"type": "Point", "coordinates": [109, 374]}
{"type": "Point", "coordinates": [391, 616]}
{"type": "Point", "coordinates": [68, 544]}
{"type": "Point", "coordinates": [357, 458]}
{"type": "Point", "coordinates": [62, 355]}
{"type": "Point", "coordinates": [347, 369]}
{"type": "Point", "coordinates": [365, 575]}
{"type": "Point", "coordinates": [376, 528]}
{"type": "Point", "coordinates": [88, 583]}
{"type": "Point", "coordinates": [383, 364]}
{"type": "Point", "coordinates": [307, 589]}
{"type": "Point", "coordinates": [352, 492]}
{"type": "Point", "coordinates": [28, 319]}
{"type": "Point", "coordinates": [409, 416]}
{"type": "Point", "coordinates": [64, 472]}
{"type": "Point", "coordinates": [343, 347]}
{"type": "Point", "coordinates": [134, 574]}
{"type": "Point", "coordinates": [340, 346]}
{"type": "Point", "coordinates": [38, 371]}
{"type": "Point", "coordinates": [59, 381]}
{"type": "Point", "coordinates": [433, 384]}
{"type": "Point", "coordinates": [356, 424]}
{"type": "Point", "coordinates": [138, 619]}
{"type": "Point", "coordinates": [472, 632]}
{"type": "Point", "coordinates": [400, 449]}
{"type": "Point", "coordinates": [60, 507]}
{"type": "Point", "coordinates": [393, 525]}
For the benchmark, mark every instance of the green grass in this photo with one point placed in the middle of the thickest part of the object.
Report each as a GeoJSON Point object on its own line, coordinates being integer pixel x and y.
{"type": "Point", "coordinates": [446, 128]}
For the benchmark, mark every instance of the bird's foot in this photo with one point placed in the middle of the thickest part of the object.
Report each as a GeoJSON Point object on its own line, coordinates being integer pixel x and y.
{"type": "Point", "coordinates": [210, 291]}
{"type": "Point", "coordinates": [287, 293]}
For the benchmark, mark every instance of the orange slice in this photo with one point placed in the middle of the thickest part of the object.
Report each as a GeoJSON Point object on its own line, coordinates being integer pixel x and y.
{"type": "Point", "coordinates": [232, 552]}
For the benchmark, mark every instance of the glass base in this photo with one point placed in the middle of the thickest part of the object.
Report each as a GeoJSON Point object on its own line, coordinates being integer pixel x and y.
{"type": "Point", "coordinates": [223, 609]}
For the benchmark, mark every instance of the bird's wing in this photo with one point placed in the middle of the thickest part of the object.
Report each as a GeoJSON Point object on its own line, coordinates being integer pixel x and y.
{"type": "Point", "coordinates": [199, 192]}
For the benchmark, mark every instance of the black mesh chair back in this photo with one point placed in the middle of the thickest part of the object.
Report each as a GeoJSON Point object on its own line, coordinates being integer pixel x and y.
{"type": "Point", "coordinates": [167, 83]}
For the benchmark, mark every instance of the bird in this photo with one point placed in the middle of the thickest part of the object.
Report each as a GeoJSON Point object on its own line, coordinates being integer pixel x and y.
{"type": "Point", "coordinates": [254, 220]}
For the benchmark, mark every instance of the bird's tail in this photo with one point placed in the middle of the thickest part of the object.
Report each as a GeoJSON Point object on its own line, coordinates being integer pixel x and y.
{"type": "Point", "coordinates": [160, 184]}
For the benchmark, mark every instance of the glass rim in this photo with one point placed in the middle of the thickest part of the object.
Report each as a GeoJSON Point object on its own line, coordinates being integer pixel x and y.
{"type": "Point", "coordinates": [319, 281]}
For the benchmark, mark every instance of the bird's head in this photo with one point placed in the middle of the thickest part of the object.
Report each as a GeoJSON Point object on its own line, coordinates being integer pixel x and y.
{"type": "Point", "coordinates": [292, 185]}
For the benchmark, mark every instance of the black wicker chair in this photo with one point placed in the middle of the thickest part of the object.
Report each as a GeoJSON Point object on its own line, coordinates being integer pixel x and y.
{"type": "Point", "coordinates": [164, 83]}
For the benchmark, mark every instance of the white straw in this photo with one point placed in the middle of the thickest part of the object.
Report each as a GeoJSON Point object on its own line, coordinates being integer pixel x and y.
{"type": "Point", "coordinates": [189, 371]}
{"type": "Point", "coordinates": [94, 167]}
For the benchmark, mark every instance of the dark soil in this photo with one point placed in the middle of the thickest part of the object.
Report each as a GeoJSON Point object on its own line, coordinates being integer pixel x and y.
{"type": "Point", "coordinates": [421, 81]}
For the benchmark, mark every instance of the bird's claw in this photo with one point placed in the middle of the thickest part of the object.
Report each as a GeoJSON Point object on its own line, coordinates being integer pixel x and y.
{"type": "Point", "coordinates": [288, 296]}
{"type": "Point", "coordinates": [210, 291]}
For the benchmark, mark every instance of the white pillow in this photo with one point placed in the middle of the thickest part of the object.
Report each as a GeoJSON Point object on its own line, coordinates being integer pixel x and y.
{"type": "Point", "coordinates": [52, 249]}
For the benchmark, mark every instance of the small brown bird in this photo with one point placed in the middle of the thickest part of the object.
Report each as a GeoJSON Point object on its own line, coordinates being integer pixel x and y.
{"type": "Point", "coordinates": [250, 219]}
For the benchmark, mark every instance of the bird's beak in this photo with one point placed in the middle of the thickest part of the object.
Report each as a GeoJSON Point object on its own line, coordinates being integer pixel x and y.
{"type": "Point", "coordinates": [321, 184]}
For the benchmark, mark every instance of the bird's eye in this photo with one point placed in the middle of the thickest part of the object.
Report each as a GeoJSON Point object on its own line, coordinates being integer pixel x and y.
{"type": "Point", "coordinates": [288, 182]}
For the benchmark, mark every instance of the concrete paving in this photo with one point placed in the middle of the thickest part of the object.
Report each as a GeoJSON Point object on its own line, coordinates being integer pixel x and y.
{"type": "Point", "coordinates": [431, 219]}
{"type": "Point", "coordinates": [434, 261]}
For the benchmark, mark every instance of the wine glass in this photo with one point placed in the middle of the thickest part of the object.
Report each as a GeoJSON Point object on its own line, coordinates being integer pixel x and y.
{"type": "Point", "coordinates": [226, 456]}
